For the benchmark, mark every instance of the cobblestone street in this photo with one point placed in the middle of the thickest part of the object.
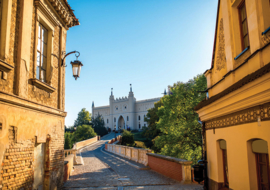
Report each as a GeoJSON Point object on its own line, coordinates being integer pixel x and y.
{"type": "Point", "coordinates": [103, 171]}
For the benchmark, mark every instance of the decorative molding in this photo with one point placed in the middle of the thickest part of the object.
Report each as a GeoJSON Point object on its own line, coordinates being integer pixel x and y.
{"type": "Point", "coordinates": [266, 38]}
{"type": "Point", "coordinates": [63, 11]}
{"type": "Point", "coordinates": [242, 117]}
{"type": "Point", "coordinates": [18, 101]}
{"type": "Point", "coordinates": [43, 85]}
{"type": "Point", "coordinates": [221, 56]}
{"type": "Point", "coordinates": [4, 66]}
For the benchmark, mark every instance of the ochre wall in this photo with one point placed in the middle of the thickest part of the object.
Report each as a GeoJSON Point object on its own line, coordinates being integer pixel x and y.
{"type": "Point", "coordinates": [237, 138]}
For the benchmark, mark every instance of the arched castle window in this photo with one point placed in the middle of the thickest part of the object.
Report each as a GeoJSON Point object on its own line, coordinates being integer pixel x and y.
{"type": "Point", "coordinates": [127, 118]}
{"type": "Point", "coordinates": [139, 118]}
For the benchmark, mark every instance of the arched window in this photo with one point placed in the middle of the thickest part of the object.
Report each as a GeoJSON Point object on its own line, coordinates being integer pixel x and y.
{"type": "Point", "coordinates": [139, 126]}
{"type": "Point", "coordinates": [127, 118]}
{"type": "Point", "coordinates": [114, 119]}
{"type": "Point", "coordinates": [107, 120]}
{"type": "Point", "coordinates": [139, 118]}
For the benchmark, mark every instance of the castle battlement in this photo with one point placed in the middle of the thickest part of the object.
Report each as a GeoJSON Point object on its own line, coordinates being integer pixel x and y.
{"type": "Point", "coordinates": [121, 99]}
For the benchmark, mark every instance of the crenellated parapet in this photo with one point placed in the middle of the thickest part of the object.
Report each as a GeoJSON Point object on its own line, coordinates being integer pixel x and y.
{"type": "Point", "coordinates": [121, 99]}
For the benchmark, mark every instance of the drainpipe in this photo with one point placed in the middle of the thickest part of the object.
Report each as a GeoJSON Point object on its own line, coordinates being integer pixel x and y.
{"type": "Point", "coordinates": [204, 149]}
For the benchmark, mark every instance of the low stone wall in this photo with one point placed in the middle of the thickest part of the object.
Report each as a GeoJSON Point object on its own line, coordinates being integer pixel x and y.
{"type": "Point", "coordinates": [135, 154]}
{"type": "Point", "coordinates": [118, 138]}
{"type": "Point", "coordinates": [84, 143]}
{"type": "Point", "coordinates": [69, 160]}
{"type": "Point", "coordinates": [174, 168]}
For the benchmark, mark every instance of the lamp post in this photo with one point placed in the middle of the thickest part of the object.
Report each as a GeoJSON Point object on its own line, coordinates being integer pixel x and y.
{"type": "Point", "coordinates": [76, 65]}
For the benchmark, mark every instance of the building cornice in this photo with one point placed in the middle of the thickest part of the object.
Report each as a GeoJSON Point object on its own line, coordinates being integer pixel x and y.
{"type": "Point", "coordinates": [63, 10]}
{"type": "Point", "coordinates": [20, 102]}
{"type": "Point", "coordinates": [249, 78]}
{"type": "Point", "coordinates": [253, 94]}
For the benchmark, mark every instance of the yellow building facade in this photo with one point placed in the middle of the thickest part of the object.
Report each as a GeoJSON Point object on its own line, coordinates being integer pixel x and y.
{"type": "Point", "coordinates": [236, 113]}
{"type": "Point", "coordinates": [32, 92]}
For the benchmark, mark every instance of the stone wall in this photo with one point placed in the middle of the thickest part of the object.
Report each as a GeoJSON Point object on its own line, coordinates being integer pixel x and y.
{"type": "Point", "coordinates": [17, 171]}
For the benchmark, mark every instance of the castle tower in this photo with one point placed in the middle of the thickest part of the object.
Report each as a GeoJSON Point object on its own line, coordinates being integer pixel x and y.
{"type": "Point", "coordinates": [131, 108]}
{"type": "Point", "coordinates": [93, 106]}
{"type": "Point", "coordinates": [111, 99]}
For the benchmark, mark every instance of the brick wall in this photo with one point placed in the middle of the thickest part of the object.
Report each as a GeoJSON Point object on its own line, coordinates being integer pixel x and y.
{"type": "Point", "coordinates": [166, 167]}
{"type": "Point", "coordinates": [17, 171]}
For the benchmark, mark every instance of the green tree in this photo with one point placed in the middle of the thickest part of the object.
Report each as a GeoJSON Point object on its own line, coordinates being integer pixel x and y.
{"type": "Point", "coordinates": [99, 125]}
{"type": "Point", "coordinates": [84, 118]}
{"type": "Point", "coordinates": [127, 138]}
{"type": "Point", "coordinates": [84, 132]}
{"type": "Point", "coordinates": [152, 118]}
{"type": "Point", "coordinates": [68, 140]}
{"type": "Point", "coordinates": [178, 122]}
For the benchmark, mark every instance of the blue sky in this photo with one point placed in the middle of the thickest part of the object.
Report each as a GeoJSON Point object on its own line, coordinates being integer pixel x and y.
{"type": "Point", "coordinates": [149, 43]}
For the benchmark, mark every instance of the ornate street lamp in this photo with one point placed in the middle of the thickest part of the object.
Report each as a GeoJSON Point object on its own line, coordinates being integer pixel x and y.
{"type": "Point", "coordinates": [76, 65]}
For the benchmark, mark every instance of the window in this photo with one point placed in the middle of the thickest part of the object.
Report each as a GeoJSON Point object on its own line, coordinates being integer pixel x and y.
{"type": "Point", "coordinates": [42, 53]}
{"type": "Point", "coordinates": [243, 25]}
{"type": "Point", "coordinates": [139, 118]}
{"type": "Point", "coordinates": [127, 118]}
{"type": "Point", "coordinates": [114, 119]}
{"type": "Point", "coordinates": [139, 126]}
{"type": "Point", "coordinates": [262, 171]}
{"type": "Point", "coordinates": [107, 120]}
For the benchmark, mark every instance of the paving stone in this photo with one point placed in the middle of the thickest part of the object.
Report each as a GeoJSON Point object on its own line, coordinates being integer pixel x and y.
{"type": "Point", "coordinates": [102, 171]}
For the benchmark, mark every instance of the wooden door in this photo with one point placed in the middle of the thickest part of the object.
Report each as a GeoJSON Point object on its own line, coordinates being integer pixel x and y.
{"type": "Point", "coordinates": [262, 162]}
{"type": "Point", "coordinates": [225, 168]}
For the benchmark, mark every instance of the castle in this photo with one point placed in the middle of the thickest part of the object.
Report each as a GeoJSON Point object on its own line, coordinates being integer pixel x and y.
{"type": "Point", "coordinates": [125, 112]}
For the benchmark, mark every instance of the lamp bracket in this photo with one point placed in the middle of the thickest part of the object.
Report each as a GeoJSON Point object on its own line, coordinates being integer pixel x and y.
{"type": "Point", "coordinates": [63, 52]}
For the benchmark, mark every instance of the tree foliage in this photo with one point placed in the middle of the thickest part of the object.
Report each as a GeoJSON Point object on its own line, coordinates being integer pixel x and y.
{"type": "Point", "coordinates": [127, 138]}
{"type": "Point", "coordinates": [68, 140]}
{"type": "Point", "coordinates": [152, 118]}
{"type": "Point", "coordinates": [84, 132]}
{"type": "Point", "coordinates": [178, 122]}
{"type": "Point", "coordinates": [84, 118]}
{"type": "Point", "coordinates": [99, 125]}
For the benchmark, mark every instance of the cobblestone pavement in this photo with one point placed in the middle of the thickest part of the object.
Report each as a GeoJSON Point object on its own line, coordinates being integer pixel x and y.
{"type": "Point", "coordinates": [102, 171]}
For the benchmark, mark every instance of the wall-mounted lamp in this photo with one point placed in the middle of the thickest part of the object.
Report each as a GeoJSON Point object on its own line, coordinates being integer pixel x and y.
{"type": "Point", "coordinates": [76, 65]}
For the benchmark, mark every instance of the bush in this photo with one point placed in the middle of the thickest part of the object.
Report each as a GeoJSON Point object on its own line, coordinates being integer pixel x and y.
{"type": "Point", "coordinates": [127, 138]}
{"type": "Point", "coordinates": [68, 141]}
{"type": "Point", "coordinates": [101, 131]}
{"type": "Point", "coordinates": [84, 132]}
{"type": "Point", "coordinates": [140, 144]}
{"type": "Point", "coordinates": [134, 130]}
{"type": "Point", "coordinates": [121, 130]}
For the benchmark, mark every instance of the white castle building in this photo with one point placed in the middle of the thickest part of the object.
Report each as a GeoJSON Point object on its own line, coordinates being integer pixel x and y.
{"type": "Point", "coordinates": [124, 112]}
